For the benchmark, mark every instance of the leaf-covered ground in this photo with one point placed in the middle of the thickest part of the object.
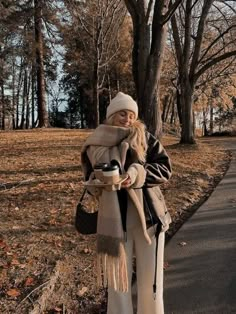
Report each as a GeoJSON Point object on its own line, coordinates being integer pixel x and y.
{"type": "Point", "coordinates": [45, 266]}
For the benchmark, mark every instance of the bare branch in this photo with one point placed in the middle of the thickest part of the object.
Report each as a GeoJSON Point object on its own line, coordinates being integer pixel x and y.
{"type": "Point", "coordinates": [132, 8]}
{"type": "Point", "coordinates": [171, 10]}
{"type": "Point", "coordinates": [213, 62]}
{"type": "Point", "coordinates": [176, 36]}
{"type": "Point", "coordinates": [200, 33]}
{"type": "Point", "coordinates": [150, 7]}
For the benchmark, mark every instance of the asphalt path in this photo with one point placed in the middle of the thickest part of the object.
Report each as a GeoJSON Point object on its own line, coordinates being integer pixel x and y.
{"type": "Point", "coordinates": [201, 277]}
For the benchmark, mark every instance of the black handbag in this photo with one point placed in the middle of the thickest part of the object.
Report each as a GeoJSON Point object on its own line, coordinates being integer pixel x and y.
{"type": "Point", "coordinates": [85, 222]}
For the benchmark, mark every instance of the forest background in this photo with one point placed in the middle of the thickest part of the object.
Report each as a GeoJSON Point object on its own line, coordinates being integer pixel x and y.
{"type": "Point", "coordinates": [62, 61]}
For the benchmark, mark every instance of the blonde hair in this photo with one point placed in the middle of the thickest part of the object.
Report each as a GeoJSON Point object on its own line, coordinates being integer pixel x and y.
{"type": "Point", "coordinates": [136, 139]}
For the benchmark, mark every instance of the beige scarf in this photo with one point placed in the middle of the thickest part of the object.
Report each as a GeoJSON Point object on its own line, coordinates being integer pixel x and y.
{"type": "Point", "coordinates": [102, 146]}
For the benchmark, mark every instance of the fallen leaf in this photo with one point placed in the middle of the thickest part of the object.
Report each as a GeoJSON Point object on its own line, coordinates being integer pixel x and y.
{"type": "Point", "coordinates": [72, 186]}
{"type": "Point", "coordinates": [86, 250]}
{"type": "Point", "coordinates": [166, 265]}
{"type": "Point", "coordinates": [182, 243]}
{"type": "Point", "coordinates": [15, 262]}
{"type": "Point", "coordinates": [13, 292]}
{"type": "Point", "coordinates": [54, 211]}
{"type": "Point", "coordinates": [57, 309]}
{"type": "Point", "coordinates": [16, 227]}
{"type": "Point", "coordinates": [2, 244]}
{"type": "Point", "coordinates": [29, 281]}
{"type": "Point", "coordinates": [52, 222]}
{"type": "Point", "coordinates": [82, 291]}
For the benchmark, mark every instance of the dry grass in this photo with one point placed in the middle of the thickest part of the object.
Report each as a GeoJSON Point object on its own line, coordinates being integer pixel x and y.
{"type": "Point", "coordinates": [49, 267]}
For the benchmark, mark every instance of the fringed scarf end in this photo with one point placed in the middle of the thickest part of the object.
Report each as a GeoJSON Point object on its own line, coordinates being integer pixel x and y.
{"type": "Point", "coordinates": [112, 271]}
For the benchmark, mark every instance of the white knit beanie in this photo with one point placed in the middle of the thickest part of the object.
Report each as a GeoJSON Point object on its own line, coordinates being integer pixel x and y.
{"type": "Point", "coordinates": [122, 102]}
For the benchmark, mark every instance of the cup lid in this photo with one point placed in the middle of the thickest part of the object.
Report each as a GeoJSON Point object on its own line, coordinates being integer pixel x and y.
{"type": "Point", "coordinates": [111, 168]}
{"type": "Point", "coordinates": [101, 165]}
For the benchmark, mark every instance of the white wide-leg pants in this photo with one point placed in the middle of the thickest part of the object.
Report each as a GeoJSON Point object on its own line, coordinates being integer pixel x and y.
{"type": "Point", "coordinates": [121, 303]}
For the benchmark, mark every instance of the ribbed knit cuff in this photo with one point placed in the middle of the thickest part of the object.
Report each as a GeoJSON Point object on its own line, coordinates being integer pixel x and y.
{"type": "Point", "coordinates": [137, 174]}
{"type": "Point", "coordinates": [132, 172]}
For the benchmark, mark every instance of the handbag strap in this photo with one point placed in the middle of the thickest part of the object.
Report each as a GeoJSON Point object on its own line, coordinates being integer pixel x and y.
{"type": "Point", "coordinates": [82, 196]}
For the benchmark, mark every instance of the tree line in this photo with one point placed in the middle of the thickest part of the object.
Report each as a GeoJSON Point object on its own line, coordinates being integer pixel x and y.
{"type": "Point", "coordinates": [176, 58]}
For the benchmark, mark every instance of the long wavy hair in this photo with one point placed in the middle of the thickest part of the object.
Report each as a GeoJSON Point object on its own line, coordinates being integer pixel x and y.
{"type": "Point", "coordinates": [136, 139]}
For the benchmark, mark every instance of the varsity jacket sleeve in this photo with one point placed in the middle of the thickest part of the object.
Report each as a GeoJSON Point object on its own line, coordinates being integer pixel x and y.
{"type": "Point", "coordinates": [158, 165]}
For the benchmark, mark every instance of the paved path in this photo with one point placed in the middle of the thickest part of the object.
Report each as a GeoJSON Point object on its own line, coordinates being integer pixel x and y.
{"type": "Point", "coordinates": [201, 277]}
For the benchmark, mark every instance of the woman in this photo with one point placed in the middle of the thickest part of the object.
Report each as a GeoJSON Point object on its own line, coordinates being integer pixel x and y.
{"type": "Point", "coordinates": [135, 218]}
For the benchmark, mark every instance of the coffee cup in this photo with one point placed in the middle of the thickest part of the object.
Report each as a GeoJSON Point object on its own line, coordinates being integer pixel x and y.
{"type": "Point", "coordinates": [111, 174]}
{"type": "Point", "coordinates": [98, 168]}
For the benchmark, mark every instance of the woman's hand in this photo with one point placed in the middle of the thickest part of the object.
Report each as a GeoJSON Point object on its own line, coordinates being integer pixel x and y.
{"type": "Point", "coordinates": [127, 183]}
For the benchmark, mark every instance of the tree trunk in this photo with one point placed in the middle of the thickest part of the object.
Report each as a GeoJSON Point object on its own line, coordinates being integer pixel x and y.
{"type": "Point", "coordinates": [96, 95]}
{"type": "Point", "coordinates": [81, 92]}
{"type": "Point", "coordinates": [211, 119]}
{"type": "Point", "coordinates": [165, 110]}
{"type": "Point", "coordinates": [179, 108]}
{"type": "Point", "coordinates": [27, 116]}
{"type": "Point", "coordinates": [186, 100]}
{"type": "Point", "coordinates": [32, 96]}
{"type": "Point", "coordinates": [19, 85]}
{"type": "Point", "coordinates": [41, 93]}
{"type": "Point", "coordinates": [148, 96]}
{"type": "Point", "coordinates": [149, 39]}
{"type": "Point", "coordinates": [172, 116]}
{"type": "Point", "coordinates": [2, 101]}
{"type": "Point", "coordinates": [109, 86]}
{"type": "Point", "coordinates": [186, 97]}
{"type": "Point", "coordinates": [13, 94]}
{"type": "Point", "coordinates": [24, 105]}
{"type": "Point", "coordinates": [204, 124]}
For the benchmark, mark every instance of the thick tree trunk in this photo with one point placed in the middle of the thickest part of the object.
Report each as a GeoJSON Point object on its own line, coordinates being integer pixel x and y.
{"type": "Point", "coordinates": [41, 93]}
{"type": "Point", "coordinates": [152, 117]}
{"type": "Point", "coordinates": [149, 38]}
{"type": "Point", "coordinates": [186, 96]}
{"type": "Point", "coordinates": [148, 100]}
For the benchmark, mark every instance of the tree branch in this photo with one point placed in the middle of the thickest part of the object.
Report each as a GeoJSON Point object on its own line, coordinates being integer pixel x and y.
{"type": "Point", "coordinates": [213, 62]}
{"type": "Point", "coordinates": [177, 42]}
{"type": "Point", "coordinates": [132, 8]}
{"type": "Point", "coordinates": [200, 33]}
{"type": "Point", "coordinates": [150, 6]}
{"type": "Point", "coordinates": [220, 36]}
{"type": "Point", "coordinates": [171, 10]}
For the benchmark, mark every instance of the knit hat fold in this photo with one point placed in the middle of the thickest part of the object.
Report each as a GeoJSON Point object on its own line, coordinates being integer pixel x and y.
{"type": "Point", "coordinates": [122, 102]}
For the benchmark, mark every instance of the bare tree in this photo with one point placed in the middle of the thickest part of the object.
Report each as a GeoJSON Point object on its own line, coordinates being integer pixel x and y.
{"type": "Point", "coordinates": [97, 23]}
{"type": "Point", "coordinates": [149, 38]}
{"type": "Point", "coordinates": [203, 33]}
